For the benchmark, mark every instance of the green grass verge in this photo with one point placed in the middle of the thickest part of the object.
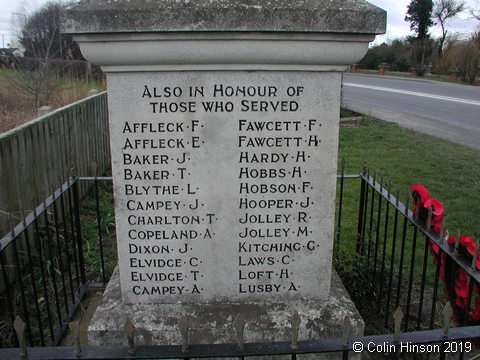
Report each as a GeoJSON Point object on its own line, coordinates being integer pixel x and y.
{"type": "Point", "coordinates": [90, 232]}
{"type": "Point", "coordinates": [449, 171]}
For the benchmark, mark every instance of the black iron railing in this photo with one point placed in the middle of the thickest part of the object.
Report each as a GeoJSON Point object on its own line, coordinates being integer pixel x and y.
{"type": "Point", "coordinates": [43, 269]}
{"type": "Point", "coordinates": [400, 268]}
{"type": "Point", "coordinates": [46, 269]}
{"type": "Point", "coordinates": [431, 343]}
{"type": "Point", "coordinates": [37, 157]}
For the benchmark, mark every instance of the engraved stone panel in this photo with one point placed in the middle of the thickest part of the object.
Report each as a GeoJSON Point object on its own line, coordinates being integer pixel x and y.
{"type": "Point", "coordinates": [224, 184]}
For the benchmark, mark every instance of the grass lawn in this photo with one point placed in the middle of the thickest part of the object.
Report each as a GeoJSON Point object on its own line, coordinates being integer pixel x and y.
{"type": "Point", "coordinates": [90, 234]}
{"type": "Point", "coordinates": [450, 172]}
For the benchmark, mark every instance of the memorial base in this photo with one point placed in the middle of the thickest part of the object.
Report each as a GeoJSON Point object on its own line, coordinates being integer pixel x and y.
{"type": "Point", "coordinates": [212, 323]}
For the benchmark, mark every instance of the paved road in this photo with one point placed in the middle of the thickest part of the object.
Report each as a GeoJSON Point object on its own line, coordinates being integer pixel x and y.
{"type": "Point", "coordinates": [446, 110]}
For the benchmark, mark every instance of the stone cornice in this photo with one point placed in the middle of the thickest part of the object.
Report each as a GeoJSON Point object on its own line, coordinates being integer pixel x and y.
{"type": "Point", "coordinates": [339, 16]}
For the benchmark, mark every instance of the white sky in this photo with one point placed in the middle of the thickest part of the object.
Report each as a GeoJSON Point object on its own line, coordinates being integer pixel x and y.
{"type": "Point", "coordinates": [396, 26]}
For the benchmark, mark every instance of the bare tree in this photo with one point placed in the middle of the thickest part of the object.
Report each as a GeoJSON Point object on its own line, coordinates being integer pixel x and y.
{"type": "Point", "coordinates": [444, 10]}
{"type": "Point", "coordinates": [463, 56]}
{"type": "Point", "coordinates": [40, 35]}
{"type": "Point", "coordinates": [475, 11]}
{"type": "Point", "coordinates": [468, 59]}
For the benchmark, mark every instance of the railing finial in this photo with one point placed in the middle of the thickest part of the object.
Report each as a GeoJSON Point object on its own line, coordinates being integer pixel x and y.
{"type": "Point", "coordinates": [346, 330]}
{"type": "Point", "coordinates": [407, 198]}
{"type": "Point", "coordinates": [397, 319]}
{"type": "Point", "coordinates": [429, 219]}
{"type": "Point", "coordinates": [475, 253]}
{"type": "Point", "coordinates": [239, 326]}
{"type": "Point", "coordinates": [457, 242]}
{"type": "Point", "coordinates": [19, 327]}
{"type": "Point", "coordinates": [183, 325]}
{"type": "Point", "coordinates": [441, 235]}
{"type": "Point", "coordinates": [75, 329]}
{"type": "Point", "coordinates": [295, 322]}
{"type": "Point", "coordinates": [129, 329]}
{"type": "Point", "coordinates": [365, 167]}
{"type": "Point", "coordinates": [447, 318]}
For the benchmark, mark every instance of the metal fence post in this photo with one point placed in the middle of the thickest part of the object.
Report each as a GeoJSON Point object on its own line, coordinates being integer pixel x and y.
{"type": "Point", "coordinates": [361, 212]}
{"type": "Point", "coordinates": [78, 230]}
{"type": "Point", "coordinates": [340, 208]}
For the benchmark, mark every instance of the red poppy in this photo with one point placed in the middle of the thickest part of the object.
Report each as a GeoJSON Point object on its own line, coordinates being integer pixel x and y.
{"type": "Point", "coordinates": [423, 195]}
{"type": "Point", "coordinates": [461, 302]}
{"type": "Point", "coordinates": [437, 224]}
{"type": "Point", "coordinates": [423, 202]}
{"type": "Point", "coordinates": [433, 248]}
{"type": "Point", "coordinates": [441, 274]}
{"type": "Point", "coordinates": [467, 241]}
{"type": "Point", "coordinates": [468, 244]}
{"type": "Point", "coordinates": [437, 207]}
{"type": "Point", "coordinates": [461, 284]}
{"type": "Point", "coordinates": [434, 252]}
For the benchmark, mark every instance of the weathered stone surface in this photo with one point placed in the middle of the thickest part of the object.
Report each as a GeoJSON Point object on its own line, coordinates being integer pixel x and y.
{"type": "Point", "coordinates": [212, 323]}
{"type": "Point", "coordinates": [164, 59]}
{"type": "Point", "coordinates": [105, 16]}
{"type": "Point", "coordinates": [224, 185]}
{"type": "Point", "coordinates": [227, 51]}
{"type": "Point", "coordinates": [312, 35]}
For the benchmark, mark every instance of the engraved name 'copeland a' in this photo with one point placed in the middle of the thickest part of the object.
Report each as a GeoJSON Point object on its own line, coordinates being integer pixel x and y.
{"type": "Point", "coordinates": [224, 185]}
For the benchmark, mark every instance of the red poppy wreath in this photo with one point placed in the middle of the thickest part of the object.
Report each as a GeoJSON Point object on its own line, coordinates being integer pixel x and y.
{"type": "Point", "coordinates": [455, 279]}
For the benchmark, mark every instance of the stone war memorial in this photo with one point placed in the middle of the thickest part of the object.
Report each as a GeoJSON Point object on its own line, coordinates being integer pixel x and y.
{"type": "Point", "coordinates": [224, 120]}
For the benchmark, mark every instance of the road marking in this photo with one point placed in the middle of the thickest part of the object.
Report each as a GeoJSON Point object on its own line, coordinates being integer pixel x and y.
{"type": "Point", "coordinates": [414, 93]}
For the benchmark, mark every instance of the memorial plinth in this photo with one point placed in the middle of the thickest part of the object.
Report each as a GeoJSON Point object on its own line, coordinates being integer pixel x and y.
{"type": "Point", "coordinates": [224, 120]}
